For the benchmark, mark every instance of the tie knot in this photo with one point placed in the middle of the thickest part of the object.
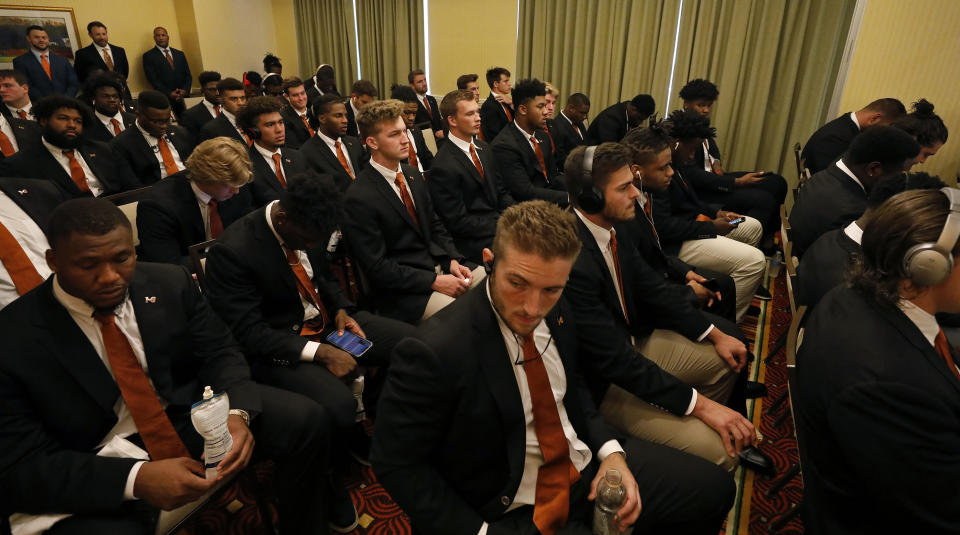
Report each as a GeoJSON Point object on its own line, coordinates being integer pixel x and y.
{"type": "Point", "coordinates": [212, 202]}
{"type": "Point", "coordinates": [68, 153]}
{"type": "Point", "coordinates": [293, 257]}
{"type": "Point", "coordinates": [399, 180]}
{"type": "Point", "coordinates": [105, 317]}
{"type": "Point", "coordinates": [533, 139]}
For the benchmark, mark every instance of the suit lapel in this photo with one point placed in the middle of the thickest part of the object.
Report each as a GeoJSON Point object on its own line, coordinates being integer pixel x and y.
{"type": "Point", "coordinates": [418, 194]}
{"type": "Point", "coordinates": [390, 195]}
{"type": "Point", "coordinates": [272, 253]}
{"type": "Point", "coordinates": [94, 161]}
{"type": "Point", "coordinates": [912, 333]}
{"type": "Point", "coordinates": [150, 311]}
{"type": "Point", "coordinates": [590, 244]}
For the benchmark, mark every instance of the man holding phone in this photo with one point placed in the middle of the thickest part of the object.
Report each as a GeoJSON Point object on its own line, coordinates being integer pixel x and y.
{"type": "Point", "coordinates": [268, 278]}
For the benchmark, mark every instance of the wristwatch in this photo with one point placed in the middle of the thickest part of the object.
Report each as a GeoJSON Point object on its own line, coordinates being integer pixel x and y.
{"type": "Point", "coordinates": [243, 414]}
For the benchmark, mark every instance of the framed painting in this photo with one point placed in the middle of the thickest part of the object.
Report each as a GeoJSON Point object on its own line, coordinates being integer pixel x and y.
{"type": "Point", "coordinates": [60, 23]}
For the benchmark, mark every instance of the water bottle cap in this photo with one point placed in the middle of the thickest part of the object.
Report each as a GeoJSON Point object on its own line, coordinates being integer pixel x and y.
{"type": "Point", "coordinates": [613, 477]}
{"type": "Point", "coordinates": [207, 392]}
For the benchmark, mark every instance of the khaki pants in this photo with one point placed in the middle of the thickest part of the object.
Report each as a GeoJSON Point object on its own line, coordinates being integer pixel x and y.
{"type": "Point", "coordinates": [696, 364]}
{"type": "Point", "coordinates": [438, 300]}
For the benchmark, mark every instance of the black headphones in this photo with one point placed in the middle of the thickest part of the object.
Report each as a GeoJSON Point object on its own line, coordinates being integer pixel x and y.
{"type": "Point", "coordinates": [488, 266]}
{"type": "Point", "coordinates": [253, 132]}
{"type": "Point", "coordinates": [589, 197]}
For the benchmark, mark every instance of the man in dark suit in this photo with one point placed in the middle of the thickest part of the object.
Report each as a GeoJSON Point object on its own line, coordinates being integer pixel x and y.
{"type": "Point", "coordinates": [126, 350]}
{"type": "Point", "coordinates": [47, 73]}
{"type": "Point", "coordinates": [497, 110]}
{"type": "Point", "coordinates": [153, 148]}
{"type": "Point", "coordinates": [295, 115]}
{"type": "Point", "coordinates": [18, 134]}
{"type": "Point", "coordinates": [876, 378]}
{"type": "Point", "coordinates": [104, 93]}
{"type": "Point", "coordinates": [838, 194]}
{"type": "Point", "coordinates": [427, 109]}
{"type": "Point", "coordinates": [323, 82]}
{"type": "Point", "coordinates": [232, 99]}
{"type": "Point", "coordinates": [195, 205]}
{"type": "Point", "coordinates": [65, 156]}
{"type": "Point", "coordinates": [362, 92]}
{"type": "Point", "coordinates": [15, 92]}
{"type": "Point", "coordinates": [486, 426]}
{"type": "Point", "coordinates": [522, 152]}
{"type": "Point", "coordinates": [466, 190]}
{"type": "Point", "coordinates": [331, 151]}
{"type": "Point", "coordinates": [568, 129]}
{"type": "Point", "coordinates": [830, 141]}
{"type": "Point", "coordinates": [25, 208]}
{"type": "Point", "coordinates": [167, 70]}
{"type": "Point", "coordinates": [281, 316]}
{"type": "Point", "coordinates": [420, 156]}
{"type": "Point", "coordinates": [395, 235]}
{"type": "Point", "coordinates": [100, 54]}
{"type": "Point", "coordinates": [207, 109]}
{"type": "Point", "coordinates": [612, 123]}
{"type": "Point", "coordinates": [273, 163]}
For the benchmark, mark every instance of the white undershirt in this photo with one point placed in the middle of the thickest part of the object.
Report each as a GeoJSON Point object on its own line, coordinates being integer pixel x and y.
{"type": "Point", "coordinates": [31, 239]}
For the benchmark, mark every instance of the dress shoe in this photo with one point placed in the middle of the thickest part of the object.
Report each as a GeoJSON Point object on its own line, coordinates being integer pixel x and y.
{"type": "Point", "coordinates": [754, 459]}
{"type": "Point", "coordinates": [343, 514]}
{"type": "Point", "coordinates": [754, 390]}
{"type": "Point", "coordinates": [762, 294]}
{"type": "Point", "coordinates": [358, 444]}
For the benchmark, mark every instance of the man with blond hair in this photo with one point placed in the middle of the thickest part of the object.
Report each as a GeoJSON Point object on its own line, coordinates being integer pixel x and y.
{"type": "Point", "coordinates": [396, 236]}
{"type": "Point", "coordinates": [195, 205]}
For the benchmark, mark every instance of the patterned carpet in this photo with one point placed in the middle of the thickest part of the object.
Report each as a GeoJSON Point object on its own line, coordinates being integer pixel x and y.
{"type": "Point", "coordinates": [235, 511]}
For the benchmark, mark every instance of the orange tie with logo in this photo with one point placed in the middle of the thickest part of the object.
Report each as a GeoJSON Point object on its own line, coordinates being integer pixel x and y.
{"type": "Point", "coordinates": [216, 224]}
{"type": "Point", "coordinates": [46, 65]}
{"type": "Point", "coordinates": [116, 127]}
{"type": "Point", "coordinates": [413, 155]}
{"type": "Point", "coordinates": [557, 473]}
{"type": "Point", "coordinates": [22, 114]}
{"type": "Point", "coordinates": [943, 348]}
{"type": "Point", "coordinates": [307, 124]}
{"type": "Point", "coordinates": [305, 286]}
{"type": "Point", "coordinates": [540, 160]}
{"type": "Point", "coordinates": [616, 268]}
{"type": "Point", "coordinates": [107, 60]}
{"type": "Point", "coordinates": [406, 198]}
{"type": "Point", "coordinates": [476, 162]}
{"type": "Point", "coordinates": [280, 178]}
{"type": "Point", "coordinates": [343, 160]}
{"type": "Point", "coordinates": [18, 265]}
{"type": "Point", "coordinates": [167, 155]}
{"type": "Point", "coordinates": [6, 147]}
{"type": "Point", "coordinates": [76, 172]}
{"type": "Point", "coordinates": [153, 425]}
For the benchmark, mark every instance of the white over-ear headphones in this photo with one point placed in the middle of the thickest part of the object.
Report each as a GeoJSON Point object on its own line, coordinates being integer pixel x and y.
{"type": "Point", "coordinates": [929, 264]}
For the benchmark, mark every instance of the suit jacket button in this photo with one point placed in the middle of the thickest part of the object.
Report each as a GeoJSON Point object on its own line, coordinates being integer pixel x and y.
{"type": "Point", "coordinates": [504, 500]}
{"type": "Point", "coordinates": [296, 327]}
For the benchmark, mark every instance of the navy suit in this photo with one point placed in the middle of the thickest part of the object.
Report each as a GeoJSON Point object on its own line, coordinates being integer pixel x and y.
{"type": "Point", "coordinates": [62, 79]}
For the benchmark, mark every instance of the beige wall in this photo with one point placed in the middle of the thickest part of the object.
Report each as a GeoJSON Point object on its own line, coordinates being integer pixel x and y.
{"type": "Point", "coordinates": [462, 43]}
{"type": "Point", "coordinates": [910, 50]}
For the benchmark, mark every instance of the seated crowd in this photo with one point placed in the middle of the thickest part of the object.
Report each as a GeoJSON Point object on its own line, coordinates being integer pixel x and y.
{"type": "Point", "coordinates": [546, 300]}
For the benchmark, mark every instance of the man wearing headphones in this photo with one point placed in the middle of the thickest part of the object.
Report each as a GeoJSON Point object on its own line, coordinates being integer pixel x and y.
{"type": "Point", "coordinates": [261, 120]}
{"type": "Point", "coordinates": [877, 395]}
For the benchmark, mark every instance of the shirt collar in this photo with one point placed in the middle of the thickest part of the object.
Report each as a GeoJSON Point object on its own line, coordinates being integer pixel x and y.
{"type": "Point", "coordinates": [463, 145]}
{"type": "Point", "coordinates": [77, 306]}
{"type": "Point", "coordinates": [211, 107]}
{"type": "Point", "coordinates": [28, 108]}
{"type": "Point", "coordinates": [504, 328]}
{"type": "Point", "coordinates": [53, 148]}
{"type": "Point", "coordinates": [387, 173]}
{"type": "Point", "coordinates": [106, 118]}
{"type": "Point", "coordinates": [230, 117]}
{"type": "Point", "coordinates": [266, 154]}
{"type": "Point", "coordinates": [146, 135]}
{"type": "Point", "coordinates": [565, 117]}
{"type": "Point", "coordinates": [854, 232]}
{"type": "Point", "coordinates": [843, 167]}
{"type": "Point", "coordinates": [269, 210]}
{"type": "Point", "coordinates": [355, 110]}
{"type": "Point", "coordinates": [38, 53]}
{"type": "Point", "coordinates": [328, 140]}
{"type": "Point", "coordinates": [926, 322]}
{"type": "Point", "coordinates": [202, 196]}
{"type": "Point", "coordinates": [102, 48]}
{"type": "Point", "coordinates": [853, 117]}
{"type": "Point", "coordinates": [526, 135]}
{"type": "Point", "coordinates": [600, 234]}
{"type": "Point", "coordinates": [163, 50]}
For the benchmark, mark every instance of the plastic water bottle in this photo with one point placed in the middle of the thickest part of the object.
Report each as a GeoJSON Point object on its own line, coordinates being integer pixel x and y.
{"type": "Point", "coordinates": [610, 496]}
{"type": "Point", "coordinates": [775, 264]}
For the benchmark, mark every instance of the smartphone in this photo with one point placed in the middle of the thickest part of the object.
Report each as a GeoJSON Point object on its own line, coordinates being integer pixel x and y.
{"type": "Point", "coordinates": [350, 343]}
{"type": "Point", "coordinates": [737, 221]}
{"type": "Point", "coordinates": [711, 284]}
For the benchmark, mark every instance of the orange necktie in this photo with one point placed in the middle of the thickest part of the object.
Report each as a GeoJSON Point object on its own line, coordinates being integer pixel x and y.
{"type": "Point", "coordinates": [245, 137]}
{"type": "Point", "coordinates": [343, 160]}
{"type": "Point", "coordinates": [216, 109]}
{"type": "Point", "coordinates": [557, 473]}
{"type": "Point", "coordinates": [407, 199]}
{"type": "Point", "coordinates": [116, 127]}
{"type": "Point", "coordinates": [307, 124]}
{"type": "Point", "coordinates": [413, 155]}
{"type": "Point", "coordinates": [46, 65]}
{"type": "Point", "coordinates": [168, 162]}
{"type": "Point", "coordinates": [18, 265]}
{"type": "Point", "coordinates": [553, 148]}
{"type": "Point", "coordinates": [577, 129]}
{"type": "Point", "coordinates": [309, 293]}
{"type": "Point", "coordinates": [76, 172]}
{"type": "Point", "coordinates": [476, 162]}
{"type": "Point", "coordinates": [166, 52]}
{"type": "Point", "coordinates": [943, 348]}
{"type": "Point", "coordinates": [6, 147]}
{"type": "Point", "coordinates": [216, 224]}
{"type": "Point", "coordinates": [426, 104]}
{"type": "Point", "coordinates": [153, 425]}
{"type": "Point", "coordinates": [108, 60]}
{"type": "Point", "coordinates": [616, 268]}
{"type": "Point", "coordinates": [506, 110]}
{"type": "Point", "coordinates": [280, 178]}
{"type": "Point", "coordinates": [540, 160]}
{"type": "Point", "coordinates": [22, 114]}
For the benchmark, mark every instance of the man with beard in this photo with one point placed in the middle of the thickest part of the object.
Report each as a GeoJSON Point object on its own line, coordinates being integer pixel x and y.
{"type": "Point", "coordinates": [105, 94]}
{"type": "Point", "coordinates": [331, 151]}
{"type": "Point", "coordinates": [49, 74]}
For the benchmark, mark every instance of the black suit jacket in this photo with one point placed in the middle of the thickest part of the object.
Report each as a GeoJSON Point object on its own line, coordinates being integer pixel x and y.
{"type": "Point", "coordinates": [824, 265]}
{"type": "Point", "coordinates": [53, 421]}
{"type": "Point", "coordinates": [265, 186]}
{"type": "Point", "coordinates": [878, 421]}
{"type": "Point", "coordinates": [609, 125]}
{"type": "Point", "coordinates": [675, 214]}
{"type": "Point", "coordinates": [297, 133]}
{"type": "Point", "coordinates": [88, 59]}
{"type": "Point", "coordinates": [161, 76]}
{"type": "Point", "coordinates": [352, 129]}
{"type": "Point", "coordinates": [133, 148]}
{"type": "Point", "coordinates": [517, 165]}
{"type": "Point", "coordinates": [37, 198]}
{"type": "Point", "coordinates": [99, 132]}
{"type": "Point", "coordinates": [829, 142]}
{"type": "Point", "coordinates": [396, 254]}
{"type": "Point", "coordinates": [436, 122]}
{"type": "Point", "coordinates": [37, 162]}
{"type": "Point", "coordinates": [449, 446]}
{"type": "Point", "coordinates": [829, 200]}
{"type": "Point", "coordinates": [424, 156]}
{"type": "Point", "coordinates": [220, 127]}
{"type": "Point", "coordinates": [604, 333]}
{"type": "Point", "coordinates": [169, 219]}
{"type": "Point", "coordinates": [469, 205]}
{"type": "Point", "coordinates": [27, 133]}
{"type": "Point", "coordinates": [194, 118]}
{"type": "Point", "coordinates": [493, 118]}
{"type": "Point", "coordinates": [63, 82]}
{"type": "Point", "coordinates": [566, 138]}
{"type": "Point", "coordinates": [251, 286]}
{"type": "Point", "coordinates": [323, 160]}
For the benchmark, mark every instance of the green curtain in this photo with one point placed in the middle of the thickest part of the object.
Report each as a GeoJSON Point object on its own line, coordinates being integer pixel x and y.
{"type": "Point", "coordinates": [325, 34]}
{"type": "Point", "coordinates": [391, 41]}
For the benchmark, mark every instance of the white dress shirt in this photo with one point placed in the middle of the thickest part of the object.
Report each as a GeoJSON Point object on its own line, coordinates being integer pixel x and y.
{"type": "Point", "coordinates": [126, 321]}
{"type": "Point", "coordinates": [203, 203]}
{"type": "Point", "coordinates": [233, 121]}
{"type": "Point", "coordinates": [527, 136]}
{"type": "Point", "coordinates": [391, 178]}
{"type": "Point", "coordinates": [268, 156]}
{"type": "Point", "coordinates": [210, 108]}
{"type": "Point", "coordinates": [30, 238]}
{"type": "Point", "coordinates": [165, 50]}
{"type": "Point", "coordinates": [96, 188]}
{"type": "Point", "coordinates": [843, 167]}
{"type": "Point", "coordinates": [7, 130]}
{"type": "Point", "coordinates": [853, 117]}
{"type": "Point", "coordinates": [708, 158]}
{"type": "Point", "coordinates": [854, 232]}
{"type": "Point", "coordinates": [28, 109]}
{"type": "Point", "coordinates": [332, 145]}
{"type": "Point", "coordinates": [100, 50]}
{"type": "Point", "coordinates": [155, 147]}
{"type": "Point", "coordinates": [464, 146]}
{"type": "Point", "coordinates": [105, 119]}
{"type": "Point", "coordinates": [575, 127]}
{"type": "Point", "coordinates": [925, 321]}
